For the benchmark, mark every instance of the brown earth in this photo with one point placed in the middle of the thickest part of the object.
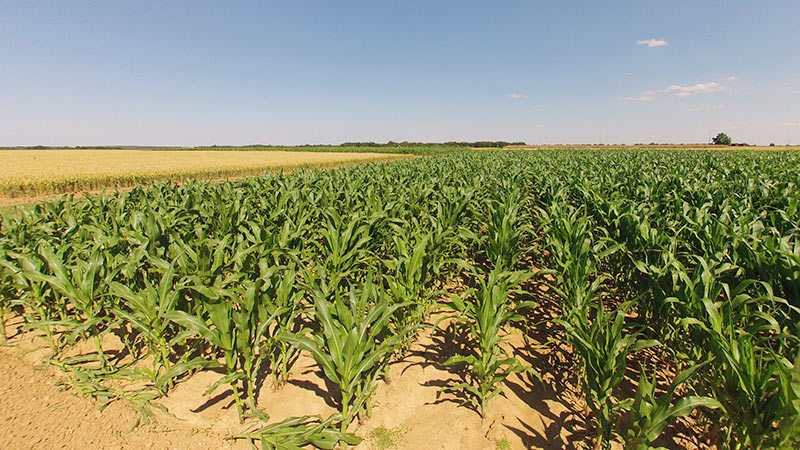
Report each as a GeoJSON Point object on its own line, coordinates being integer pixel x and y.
{"type": "Point", "coordinates": [36, 412]}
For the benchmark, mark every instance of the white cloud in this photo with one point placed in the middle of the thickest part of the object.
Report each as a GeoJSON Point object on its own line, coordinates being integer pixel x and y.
{"type": "Point", "coordinates": [628, 73]}
{"type": "Point", "coordinates": [652, 42]}
{"type": "Point", "coordinates": [641, 98]}
{"type": "Point", "coordinates": [700, 88]}
{"type": "Point", "coordinates": [647, 96]}
{"type": "Point", "coordinates": [538, 125]}
{"type": "Point", "coordinates": [517, 96]}
{"type": "Point", "coordinates": [680, 91]}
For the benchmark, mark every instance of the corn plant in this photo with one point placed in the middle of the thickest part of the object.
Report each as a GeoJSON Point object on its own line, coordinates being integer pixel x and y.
{"type": "Point", "coordinates": [7, 292]}
{"type": "Point", "coordinates": [650, 415]}
{"type": "Point", "coordinates": [505, 229]}
{"type": "Point", "coordinates": [603, 347]}
{"type": "Point", "coordinates": [146, 311]}
{"type": "Point", "coordinates": [344, 245]}
{"type": "Point", "coordinates": [300, 432]}
{"type": "Point", "coordinates": [485, 311]}
{"type": "Point", "coordinates": [354, 343]}
{"type": "Point", "coordinates": [577, 252]}
{"type": "Point", "coordinates": [84, 285]}
{"type": "Point", "coordinates": [281, 297]}
{"type": "Point", "coordinates": [411, 273]}
{"type": "Point", "coordinates": [35, 295]}
{"type": "Point", "coordinates": [234, 321]}
{"type": "Point", "coordinates": [753, 382]}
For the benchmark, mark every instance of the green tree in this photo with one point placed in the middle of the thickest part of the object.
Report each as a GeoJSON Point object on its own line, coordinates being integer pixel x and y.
{"type": "Point", "coordinates": [722, 139]}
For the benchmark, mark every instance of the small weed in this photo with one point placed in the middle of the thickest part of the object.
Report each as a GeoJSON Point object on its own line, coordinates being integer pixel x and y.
{"type": "Point", "coordinates": [383, 438]}
{"type": "Point", "coordinates": [503, 444]}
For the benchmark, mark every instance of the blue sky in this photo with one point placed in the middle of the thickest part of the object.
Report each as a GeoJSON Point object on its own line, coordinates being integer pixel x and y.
{"type": "Point", "coordinates": [295, 72]}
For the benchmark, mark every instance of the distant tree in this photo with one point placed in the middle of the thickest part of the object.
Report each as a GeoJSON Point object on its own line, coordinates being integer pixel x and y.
{"type": "Point", "coordinates": [721, 139]}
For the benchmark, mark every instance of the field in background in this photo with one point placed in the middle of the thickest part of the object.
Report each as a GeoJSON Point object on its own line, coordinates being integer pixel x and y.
{"type": "Point", "coordinates": [27, 173]}
{"type": "Point", "coordinates": [401, 148]}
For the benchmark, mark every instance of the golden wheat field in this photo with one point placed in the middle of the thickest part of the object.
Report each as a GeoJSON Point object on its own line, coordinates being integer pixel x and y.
{"type": "Point", "coordinates": [34, 172]}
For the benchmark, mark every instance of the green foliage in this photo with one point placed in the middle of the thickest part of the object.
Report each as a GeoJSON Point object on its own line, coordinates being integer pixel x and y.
{"type": "Point", "coordinates": [485, 311]}
{"type": "Point", "coordinates": [383, 438]}
{"type": "Point", "coordinates": [721, 139]}
{"type": "Point", "coordinates": [503, 444]}
{"type": "Point", "coordinates": [354, 343]}
{"type": "Point", "coordinates": [650, 415]}
{"type": "Point", "coordinates": [603, 347]}
{"type": "Point", "coordinates": [506, 228]}
{"type": "Point", "coordinates": [296, 433]}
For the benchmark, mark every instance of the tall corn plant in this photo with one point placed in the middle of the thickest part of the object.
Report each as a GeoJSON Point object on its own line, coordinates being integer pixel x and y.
{"type": "Point", "coordinates": [603, 346]}
{"type": "Point", "coordinates": [485, 311]}
{"type": "Point", "coordinates": [577, 251]}
{"type": "Point", "coordinates": [146, 311]}
{"type": "Point", "coordinates": [354, 343]}
{"type": "Point", "coordinates": [234, 321]}
{"type": "Point", "coordinates": [35, 295]}
{"type": "Point", "coordinates": [84, 286]}
{"type": "Point", "coordinates": [599, 337]}
{"type": "Point", "coordinates": [344, 245]}
{"type": "Point", "coordinates": [411, 272]}
{"type": "Point", "coordinates": [753, 380]}
{"type": "Point", "coordinates": [8, 291]}
{"type": "Point", "coordinates": [506, 229]}
{"type": "Point", "coordinates": [282, 297]}
{"type": "Point", "coordinates": [651, 415]}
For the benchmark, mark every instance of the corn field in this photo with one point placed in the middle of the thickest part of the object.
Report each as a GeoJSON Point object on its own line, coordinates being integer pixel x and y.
{"type": "Point", "coordinates": [661, 262]}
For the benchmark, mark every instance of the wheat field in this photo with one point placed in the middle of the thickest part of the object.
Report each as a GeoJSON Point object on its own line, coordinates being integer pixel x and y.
{"type": "Point", "coordinates": [34, 172]}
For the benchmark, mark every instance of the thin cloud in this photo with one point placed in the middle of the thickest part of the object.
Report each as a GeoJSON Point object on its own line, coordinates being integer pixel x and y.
{"type": "Point", "coordinates": [647, 96]}
{"type": "Point", "coordinates": [641, 98]}
{"type": "Point", "coordinates": [731, 78]}
{"type": "Point", "coordinates": [538, 125]}
{"type": "Point", "coordinates": [696, 109]}
{"type": "Point", "coordinates": [652, 42]}
{"type": "Point", "coordinates": [700, 88]}
{"type": "Point", "coordinates": [517, 96]}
